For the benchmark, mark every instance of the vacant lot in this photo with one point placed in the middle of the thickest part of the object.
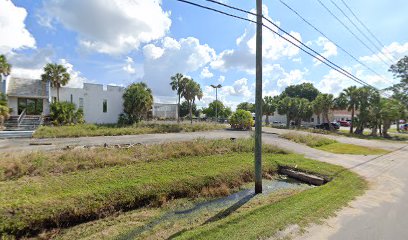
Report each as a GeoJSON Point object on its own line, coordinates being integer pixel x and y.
{"type": "Point", "coordinates": [66, 188]}
{"type": "Point", "coordinates": [330, 145]}
{"type": "Point", "coordinates": [88, 130]}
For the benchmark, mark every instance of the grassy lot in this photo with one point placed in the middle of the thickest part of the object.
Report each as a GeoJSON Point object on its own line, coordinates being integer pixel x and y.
{"type": "Point", "coordinates": [88, 130]}
{"type": "Point", "coordinates": [330, 145]}
{"type": "Point", "coordinates": [269, 213]}
{"type": "Point", "coordinates": [304, 208]}
{"type": "Point", "coordinates": [14, 166]}
{"type": "Point", "coordinates": [31, 202]}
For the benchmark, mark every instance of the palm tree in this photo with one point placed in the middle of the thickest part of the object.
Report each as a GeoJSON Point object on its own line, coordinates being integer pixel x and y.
{"type": "Point", "coordinates": [350, 95]}
{"type": "Point", "coordinates": [268, 108]}
{"type": "Point", "coordinates": [57, 74]}
{"type": "Point", "coordinates": [5, 67]}
{"type": "Point", "coordinates": [192, 90]}
{"type": "Point", "coordinates": [178, 83]}
{"type": "Point", "coordinates": [324, 103]}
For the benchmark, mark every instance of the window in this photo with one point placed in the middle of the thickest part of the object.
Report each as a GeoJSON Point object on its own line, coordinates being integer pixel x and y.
{"type": "Point", "coordinates": [71, 98]}
{"type": "Point", "coordinates": [54, 99]}
{"type": "Point", "coordinates": [105, 106]}
{"type": "Point", "coordinates": [81, 103]}
{"type": "Point", "coordinates": [312, 120]}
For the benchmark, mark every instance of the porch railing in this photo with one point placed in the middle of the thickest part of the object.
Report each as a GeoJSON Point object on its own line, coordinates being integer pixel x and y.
{"type": "Point", "coordinates": [20, 118]}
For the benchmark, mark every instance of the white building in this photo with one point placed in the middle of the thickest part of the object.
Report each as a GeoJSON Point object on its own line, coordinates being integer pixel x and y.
{"type": "Point", "coordinates": [100, 104]}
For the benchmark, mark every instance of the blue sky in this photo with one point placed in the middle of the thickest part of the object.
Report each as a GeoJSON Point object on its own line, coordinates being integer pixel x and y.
{"type": "Point", "coordinates": [122, 41]}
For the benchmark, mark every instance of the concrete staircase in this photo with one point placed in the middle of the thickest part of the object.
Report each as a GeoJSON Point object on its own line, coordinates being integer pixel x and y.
{"type": "Point", "coordinates": [28, 124]}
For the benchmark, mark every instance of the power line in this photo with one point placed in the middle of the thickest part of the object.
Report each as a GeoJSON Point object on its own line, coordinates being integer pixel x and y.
{"type": "Point", "coordinates": [319, 58]}
{"type": "Point", "coordinates": [251, 13]}
{"type": "Point", "coordinates": [337, 45]}
{"type": "Point", "coordinates": [366, 28]}
{"type": "Point", "coordinates": [349, 30]}
{"type": "Point", "coordinates": [359, 30]}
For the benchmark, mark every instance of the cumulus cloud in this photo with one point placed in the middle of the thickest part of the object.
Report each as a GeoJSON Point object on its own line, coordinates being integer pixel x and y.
{"type": "Point", "coordinates": [205, 73]}
{"type": "Point", "coordinates": [393, 51]}
{"type": "Point", "coordinates": [30, 65]}
{"type": "Point", "coordinates": [185, 56]}
{"type": "Point", "coordinates": [129, 66]}
{"type": "Point", "coordinates": [110, 26]}
{"type": "Point", "coordinates": [329, 49]}
{"type": "Point", "coordinates": [13, 32]}
{"type": "Point", "coordinates": [77, 80]}
{"type": "Point", "coordinates": [243, 58]}
{"type": "Point", "coordinates": [334, 82]}
{"type": "Point", "coordinates": [239, 88]}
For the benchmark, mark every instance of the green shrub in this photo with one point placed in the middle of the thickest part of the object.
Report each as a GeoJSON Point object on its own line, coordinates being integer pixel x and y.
{"type": "Point", "coordinates": [241, 119]}
{"type": "Point", "coordinates": [64, 113]}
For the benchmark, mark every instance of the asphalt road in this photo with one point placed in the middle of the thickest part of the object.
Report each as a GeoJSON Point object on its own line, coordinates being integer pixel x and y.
{"type": "Point", "coordinates": [381, 213]}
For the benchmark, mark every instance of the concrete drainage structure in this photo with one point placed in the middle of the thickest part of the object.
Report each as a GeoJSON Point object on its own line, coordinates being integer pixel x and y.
{"type": "Point", "coordinates": [301, 176]}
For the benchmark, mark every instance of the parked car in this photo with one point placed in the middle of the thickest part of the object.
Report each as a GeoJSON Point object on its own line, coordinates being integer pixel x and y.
{"type": "Point", "coordinates": [344, 123]}
{"type": "Point", "coordinates": [325, 126]}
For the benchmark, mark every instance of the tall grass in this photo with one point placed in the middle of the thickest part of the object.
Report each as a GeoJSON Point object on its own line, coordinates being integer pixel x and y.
{"type": "Point", "coordinates": [89, 130]}
{"type": "Point", "coordinates": [13, 166]}
{"type": "Point", "coordinates": [29, 205]}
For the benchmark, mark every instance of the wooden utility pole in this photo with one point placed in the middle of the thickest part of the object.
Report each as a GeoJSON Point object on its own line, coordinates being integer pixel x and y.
{"type": "Point", "coordinates": [258, 100]}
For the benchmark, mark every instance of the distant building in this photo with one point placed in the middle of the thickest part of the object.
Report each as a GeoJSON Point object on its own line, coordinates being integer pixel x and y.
{"type": "Point", "coordinates": [100, 104]}
{"type": "Point", "coordinates": [334, 116]}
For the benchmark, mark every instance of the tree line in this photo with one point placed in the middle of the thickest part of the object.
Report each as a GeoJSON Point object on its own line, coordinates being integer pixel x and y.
{"type": "Point", "coordinates": [298, 102]}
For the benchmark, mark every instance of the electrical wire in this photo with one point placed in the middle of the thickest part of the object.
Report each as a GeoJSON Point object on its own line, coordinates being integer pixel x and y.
{"type": "Point", "coordinates": [361, 32]}
{"type": "Point", "coordinates": [336, 44]}
{"type": "Point", "coordinates": [319, 58]}
{"type": "Point", "coordinates": [366, 28]}
{"type": "Point", "coordinates": [352, 33]}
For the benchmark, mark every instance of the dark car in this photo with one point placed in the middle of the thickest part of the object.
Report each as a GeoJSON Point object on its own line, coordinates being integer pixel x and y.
{"type": "Point", "coordinates": [325, 126]}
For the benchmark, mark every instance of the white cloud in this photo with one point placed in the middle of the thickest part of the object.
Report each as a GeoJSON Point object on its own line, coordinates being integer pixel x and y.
{"type": "Point", "coordinates": [13, 32]}
{"type": "Point", "coordinates": [221, 79]}
{"type": "Point", "coordinates": [334, 82]}
{"type": "Point", "coordinates": [77, 80]}
{"type": "Point", "coordinates": [30, 65]}
{"type": "Point", "coordinates": [111, 26]}
{"type": "Point", "coordinates": [240, 88]}
{"type": "Point", "coordinates": [329, 49]}
{"type": "Point", "coordinates": [243, 58]}
{"type": "Point", "coordinates": [293, 77]}
{"type": "Point", "coordinates": [393, 51]}
{"type": "Point", "coordinates": [205, 73]}
{"type": "Point", "coordinates": [152, 52]}
{"type": "Point", "coordinates": [129, 66]}
{"type": "Point", "coordinates": [183, 56]}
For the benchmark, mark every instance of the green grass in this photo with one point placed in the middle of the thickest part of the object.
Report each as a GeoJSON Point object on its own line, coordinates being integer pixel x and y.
{"type": "Point", "coordinates": [330, 145]}
{"type": "Point", "coordinates": [304, 208]}
{"type": "Point", "coordinates": [14, 166]}
{"type": "Point", "coordinates": [32, 204]}
{"type": "Point", "coordinates": [344, 148]}
{"type": "Point", "coordinates": [88, 130]}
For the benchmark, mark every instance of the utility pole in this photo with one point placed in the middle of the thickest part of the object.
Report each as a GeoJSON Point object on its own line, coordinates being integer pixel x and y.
{"type": "Point", "coordinates": [216, 99]}
{"type": "Point", "coordinates": [258, 100]}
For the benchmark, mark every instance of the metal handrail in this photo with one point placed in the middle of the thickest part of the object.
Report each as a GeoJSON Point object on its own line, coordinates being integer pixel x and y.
{"type": "Point", "coordinates": [22, 115]}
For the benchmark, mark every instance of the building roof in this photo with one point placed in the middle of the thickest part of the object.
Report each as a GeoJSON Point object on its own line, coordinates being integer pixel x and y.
{"type": "Point", "coordinates": [29, 88]}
